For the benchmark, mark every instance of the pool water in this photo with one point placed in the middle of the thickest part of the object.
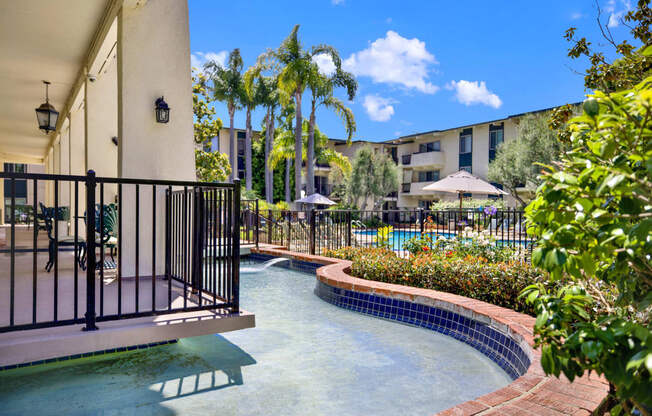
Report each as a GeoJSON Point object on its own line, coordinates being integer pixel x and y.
{"type": "Point", "coordinates": [398, 238]}
{"type": "Point", "coordinates": [305, 357]}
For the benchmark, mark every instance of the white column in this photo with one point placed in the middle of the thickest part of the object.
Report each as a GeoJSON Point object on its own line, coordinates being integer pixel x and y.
{"type": "Point", "coordinates": [153, 61]}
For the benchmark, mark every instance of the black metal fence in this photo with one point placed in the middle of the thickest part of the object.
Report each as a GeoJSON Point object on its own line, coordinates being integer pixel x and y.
{"type": "Point", "coordinates": [316, 231]}
{"type": "Point", "coordinates": [127, 248]}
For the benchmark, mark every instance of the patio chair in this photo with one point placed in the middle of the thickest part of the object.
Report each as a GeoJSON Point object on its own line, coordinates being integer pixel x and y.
{"type": "Point", "coordinates": [50, 219]}
{"type": "Point", "coordinates": [108, 235]}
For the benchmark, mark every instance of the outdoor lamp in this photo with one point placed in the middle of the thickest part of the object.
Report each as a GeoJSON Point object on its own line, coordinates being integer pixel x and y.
{"type": "Point", "coordinates": [162, 111]}
{"type": "Point", "coordinates": [46, 115]}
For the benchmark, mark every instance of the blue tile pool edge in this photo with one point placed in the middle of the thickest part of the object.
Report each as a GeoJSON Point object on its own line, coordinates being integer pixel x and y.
{"type": "Point", "coordinates": [88, 354]}
{"type": "Point", "coordinates": [500, 347]}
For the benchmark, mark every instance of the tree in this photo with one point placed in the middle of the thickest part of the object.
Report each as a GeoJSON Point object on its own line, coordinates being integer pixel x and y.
{"type": "Point", "coordinates": [268, 97]}
{"type": "Point", "coordinates": [633, 64]}
{"type": "Point", "coordinates": [284, 149]}
{"type": "Point", "coordinates": [210, 167]}
{"type": "Point", "coordinates": [594, 219]}
{"type": "Point", "coordinates": [517, 162]}
{"type": "Point", "coordinates": [373, 176]}
{"type": "Point", "coordinates": [295, 65]}
{"type": "Point", "coordinates": [227, 87]}
{"type": "Point", "coordinates": [321, 87]}
{"type": "Point", "coordinates": [206, 127]}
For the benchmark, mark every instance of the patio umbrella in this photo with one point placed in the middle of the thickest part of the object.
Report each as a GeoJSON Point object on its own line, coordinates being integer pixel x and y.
{"type": "Point", "coordinates": [463, 182]}
{"type": "Point", "coordinates": [316, 199]}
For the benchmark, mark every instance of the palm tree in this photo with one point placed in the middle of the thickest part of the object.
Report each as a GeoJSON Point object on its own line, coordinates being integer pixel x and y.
{"type": "Point", "coordinates": [321, 88]}
{"type": "Point", "coordinates": [284, 150]}
{"type": "Point", "coordinates": [227, 87]}
{"type": "Point", "coordinates": [295, 65]}
{"type": "Point", "coordinates": [268, 96]}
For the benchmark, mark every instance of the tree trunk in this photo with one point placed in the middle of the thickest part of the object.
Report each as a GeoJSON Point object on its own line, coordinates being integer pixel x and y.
{"type": "Point", "coordinates": [298, 145]}
{"type": "Point", "coordinates": [269, 173]}
{"type": "Point", "coordinates": [310, 158]}
{"type": "Point", "coordinates": [232, 147]}
{"type": "Point", "coordinates": [288, 168]}
{"type": "Point", "coordinates": [248, 150]}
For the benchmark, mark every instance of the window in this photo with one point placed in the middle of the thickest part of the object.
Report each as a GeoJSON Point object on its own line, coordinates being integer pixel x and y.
{"type": "Point", "coordinates": [242, 135]}
{"type": "Point", "coordinates": [495, 139]}
{"type": "Point", "coordinates": [425, 204]}
{"type": "Point", "coordinates": [430, 147]}
{"type": "Point", "coordinates": [241, 146]}
{"type": "Point", "coordinates": [467, 168]}
{"type": "Point", "coordinates": [466, 143]}
{"type": "Point", "coordinates": [429, 176]}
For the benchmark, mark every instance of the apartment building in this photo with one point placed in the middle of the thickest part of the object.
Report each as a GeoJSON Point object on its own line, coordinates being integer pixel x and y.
{"type": "Point", "coordinates": [422, 158]}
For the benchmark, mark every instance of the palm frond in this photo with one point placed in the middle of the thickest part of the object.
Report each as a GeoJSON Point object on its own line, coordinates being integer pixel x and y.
{"type": "Point", "coordinates": [345, 113]}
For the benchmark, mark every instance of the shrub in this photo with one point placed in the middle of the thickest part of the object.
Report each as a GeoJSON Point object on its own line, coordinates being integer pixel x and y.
{"type": "Point", "coordinates": [468, 203]}
{"type": "Point", "coordinates": [498, 283]}
{"type": "Point", "coordinates": [594, 219]}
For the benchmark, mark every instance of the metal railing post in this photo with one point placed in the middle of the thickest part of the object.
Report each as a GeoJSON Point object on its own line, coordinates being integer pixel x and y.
{"type": "Point", "coordinates": [421, 225]}
{"type": "Point", "coordinates": [90, 252]}
{"type": "Point", "coordinates": [257, 223]}
{"type": "Point", "coordinates": [348, 228]}
{"type": "Point", "coordinates": [236, 246]}
{"type": "Point", "coordinates": [312, 231]}
{"type": "Point", "coordinates": [168, 232]}
{"type": "Point", "coordinates": [269, 226]}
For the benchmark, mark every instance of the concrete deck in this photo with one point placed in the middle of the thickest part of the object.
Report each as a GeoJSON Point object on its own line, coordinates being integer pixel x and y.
{"type": "Point", "coordinates": [37, 344]}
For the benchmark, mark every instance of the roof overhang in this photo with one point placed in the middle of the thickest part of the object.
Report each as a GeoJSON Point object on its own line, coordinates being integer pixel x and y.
{"type": "Point", "coordinates": [42, 40]}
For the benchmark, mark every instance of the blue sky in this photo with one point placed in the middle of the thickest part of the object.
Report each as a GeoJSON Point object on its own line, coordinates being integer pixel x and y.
{"type": "Point", "coordinates": [420, 65]}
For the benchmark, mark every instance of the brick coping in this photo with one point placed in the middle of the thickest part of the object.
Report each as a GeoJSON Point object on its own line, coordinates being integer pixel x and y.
{"type": "Point", "coordinates": [533, 393]}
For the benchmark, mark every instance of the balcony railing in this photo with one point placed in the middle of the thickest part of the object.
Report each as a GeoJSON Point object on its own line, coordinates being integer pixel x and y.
{"type": "Point", "coordinates": [145, 247]}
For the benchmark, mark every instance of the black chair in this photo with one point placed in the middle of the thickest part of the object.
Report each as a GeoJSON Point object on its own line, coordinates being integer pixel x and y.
{"type": "Point", "coordinates": [50, 219]}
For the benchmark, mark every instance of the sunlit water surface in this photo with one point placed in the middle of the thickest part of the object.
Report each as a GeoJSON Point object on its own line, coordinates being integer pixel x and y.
{"type": "Point", "coordinates": [305, 357]}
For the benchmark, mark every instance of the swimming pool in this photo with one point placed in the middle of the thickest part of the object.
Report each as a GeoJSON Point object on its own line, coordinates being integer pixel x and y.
{"type": "Point", "coordinates": [398, 237]}
{"type": "Point", "coordinates": [305, 357]}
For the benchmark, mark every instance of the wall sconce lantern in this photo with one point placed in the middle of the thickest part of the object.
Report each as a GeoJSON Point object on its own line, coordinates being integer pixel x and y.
{"type": "Point", "coordinates": [46, 114]}
{"type": "Point", "coordinates": [162, 111]}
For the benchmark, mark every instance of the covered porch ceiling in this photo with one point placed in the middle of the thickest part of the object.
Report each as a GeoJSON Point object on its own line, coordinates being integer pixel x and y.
{"type": "Point", "coordinates": [40, 40]}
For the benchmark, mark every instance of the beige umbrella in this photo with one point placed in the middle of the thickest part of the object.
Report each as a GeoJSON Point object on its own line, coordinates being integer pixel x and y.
{"type": "Point", "coordinates": [463, 182]}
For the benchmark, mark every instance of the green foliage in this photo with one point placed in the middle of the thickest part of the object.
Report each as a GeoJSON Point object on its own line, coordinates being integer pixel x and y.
{"type": "Point", "coordinates": [206, 127]}
{"type": "Point", "coordinates": [634, 63]}
{"type": "Point", "coordinates": [418, 244]}
{"type": "Point", "coordinates": [468, 203]}
{"type": "Point", "coordinates": [518, 162]}
{"type": "Point", "coordinates": [211, 166]}
{"type": "Point", "coordinates": [373, 176]}
{"type": "Point", "coordinates": [474, 277]}
{"type": "Point", "coordinates": [593, 214]}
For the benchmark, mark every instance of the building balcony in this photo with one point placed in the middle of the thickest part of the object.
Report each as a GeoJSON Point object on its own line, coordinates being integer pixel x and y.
{"type": "Point", "coordinates": [428, 159]}
{"type": "Point", "coordinates": [416, 188]}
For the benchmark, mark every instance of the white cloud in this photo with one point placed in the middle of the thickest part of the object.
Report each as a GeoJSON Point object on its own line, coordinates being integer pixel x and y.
{"type": "Point", "coordinates": [378, 108]}
{"type": "Point", "coordinates": [337, 2]}
{"type": "Point", "coordinates": [388, 20]}
{"type": "Point", "coordinates": [198, 59]}
{"type": "Point", "coordinates": [576, 16]}
{"type": "Point", "coordinates": [616, 15]}
{"type": "Point", "coordinates": [325, 63]}
{"type": "Point", "coordinates": [395, 60]}
{"type": "Point", "coordinates": [474, 92]}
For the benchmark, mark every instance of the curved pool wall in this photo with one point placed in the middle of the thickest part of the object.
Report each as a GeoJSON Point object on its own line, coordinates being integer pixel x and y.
{"type": "Point", "coordinates": [514, 356]}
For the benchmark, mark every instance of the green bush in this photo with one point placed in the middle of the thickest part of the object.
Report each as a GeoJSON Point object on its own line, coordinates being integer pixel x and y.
{"type": "Point", "coordinates": [498, 283]}
{"type": "Point", "coordinates": [468, 203]}
{"type": "Point", "coordinates": [593, 217]}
